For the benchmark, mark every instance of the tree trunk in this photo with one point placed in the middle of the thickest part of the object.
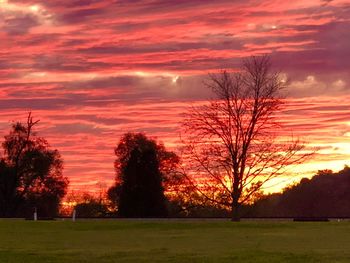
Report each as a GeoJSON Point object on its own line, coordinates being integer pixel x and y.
{"type": "Point", "coordinates": [235, 211]}
{"type": "Point", "coordinates": [235, 197]}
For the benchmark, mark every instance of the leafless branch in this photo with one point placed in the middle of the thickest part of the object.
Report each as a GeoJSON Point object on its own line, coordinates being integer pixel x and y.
{"type": "Point", "coordinates": [233, 139]}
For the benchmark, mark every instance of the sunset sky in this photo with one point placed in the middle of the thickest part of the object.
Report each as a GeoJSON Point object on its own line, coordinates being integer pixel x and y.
{"type": "Point", "coordinates": [91, 70]}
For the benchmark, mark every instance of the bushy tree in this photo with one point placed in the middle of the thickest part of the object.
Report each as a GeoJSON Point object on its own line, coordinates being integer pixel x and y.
{"type": "Point", "coordinates": [144, 169]}
{"type": "Point", "coordinates": [30, 174]}
{"type": "Point", "coordinates": [91, 206]}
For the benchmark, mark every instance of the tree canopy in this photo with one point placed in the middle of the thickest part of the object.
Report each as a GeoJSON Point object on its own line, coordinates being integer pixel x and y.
{"type": "Point", "coordinates": [30, 174]}
{"type": "Point", "coordinates": [144, 169]}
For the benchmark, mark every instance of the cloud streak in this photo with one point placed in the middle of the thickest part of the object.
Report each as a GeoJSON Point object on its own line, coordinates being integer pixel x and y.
{"type": "Point", "coordinates": [92, 70]}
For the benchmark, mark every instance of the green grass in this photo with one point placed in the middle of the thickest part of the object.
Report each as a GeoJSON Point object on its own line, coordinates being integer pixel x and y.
{"type": "Point", "coordinates": [173, 241]}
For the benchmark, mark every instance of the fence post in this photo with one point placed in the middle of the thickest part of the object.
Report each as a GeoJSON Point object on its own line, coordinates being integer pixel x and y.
{"type": "Point", "coordinates": [35, 214]}
{"type": "Point", "coordinates": [74, 215]}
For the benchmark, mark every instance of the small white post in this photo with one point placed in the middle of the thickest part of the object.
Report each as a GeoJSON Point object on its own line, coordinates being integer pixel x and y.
{"type": "Point", "coordinates": [35, 214]}
{"type": "Point", "coordinates": [74, 214]}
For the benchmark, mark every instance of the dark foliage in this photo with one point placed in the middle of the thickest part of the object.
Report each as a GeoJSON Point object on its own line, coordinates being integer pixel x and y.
{"type": "Point", "coordinates": [327, 194]}
{"type": "Point", "coordinates": [93, 208]}
{"type": "Point", "coordinates": [142, 168]}
{"type": "Point", "coordinates": [30, 174]}
{"type": "Point", "coordinates": [195, 209]}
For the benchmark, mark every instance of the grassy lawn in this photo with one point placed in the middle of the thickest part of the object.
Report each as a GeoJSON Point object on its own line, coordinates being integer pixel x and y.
{"type": "Point", "coordinates": [173, 241]}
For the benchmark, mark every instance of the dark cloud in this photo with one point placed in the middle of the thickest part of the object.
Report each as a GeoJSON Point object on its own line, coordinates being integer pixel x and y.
{"type": "Point", "coordinates": [97, 120]}
{"type": "Point", "coordinates": [19, 24]}
{"type": "Point", "coordinates": [59, 4]}
{"type": "Point", "coordinates": [38, 39]}
{"type": "Point", "coordinates": [80, 15]}
{"type": "Point", "coordinates": [34, 104]}
{"type": "Point", "coordinates": [327, 55]}
{"type": "Point", "coordinates": [77, 3]}
{"type": "Point", "coordinates": [162, 47]}
{"type": "Point", "coordinates": [159, 6]}
{"type": "Point", "coordinates": [66, 63]}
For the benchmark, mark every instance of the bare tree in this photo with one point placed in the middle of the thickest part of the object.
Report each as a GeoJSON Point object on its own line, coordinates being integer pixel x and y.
{"type": "Point", "coordinates": [233, 143]}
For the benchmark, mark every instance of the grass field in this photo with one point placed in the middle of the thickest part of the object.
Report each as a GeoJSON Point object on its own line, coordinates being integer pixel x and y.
{"type": "Point", "coordinates": [173, 241]}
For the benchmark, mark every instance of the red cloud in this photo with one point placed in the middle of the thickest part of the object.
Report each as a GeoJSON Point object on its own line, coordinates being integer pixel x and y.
{"type": "Point", "coordinates": [92, 70]}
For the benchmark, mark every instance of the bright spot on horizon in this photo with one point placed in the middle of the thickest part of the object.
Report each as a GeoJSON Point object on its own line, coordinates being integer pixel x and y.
{"type": "Point", "coordinates": [36, 74]}
{"type": "Point", "coordinates": [174, 80]}
{"type": "Point", "coordinates": [268, 26]}
{"type": "Point", "coordinates": [310, 78]}
{"type": "Point", "coordinates": [34, 8]}
{"type": "Point", "coordinates": [141, 74]}
{"type": "Point", "coordinates": [284, 77]}
{"type": "Point", "coordinates": [339, 83]}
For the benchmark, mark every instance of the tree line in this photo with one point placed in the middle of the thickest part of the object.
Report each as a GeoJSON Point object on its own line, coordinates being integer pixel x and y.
{"type": "Point", "coordinates": [232, 149]}
{"type": "Point", "coordinates": [327, 194]}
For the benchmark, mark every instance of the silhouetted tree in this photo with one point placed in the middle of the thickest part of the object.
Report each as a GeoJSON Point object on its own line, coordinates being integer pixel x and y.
{"type": "Point", "coordinates": [232, 143]}
{"type": "Point", "coordinates": [144, 169]}
{"type": "Point", "coordinates": [91, 209]}
{"type": "Point", "coordinates": [91, 206]}
{"type": "Point", "coordinates": [30, 174]}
